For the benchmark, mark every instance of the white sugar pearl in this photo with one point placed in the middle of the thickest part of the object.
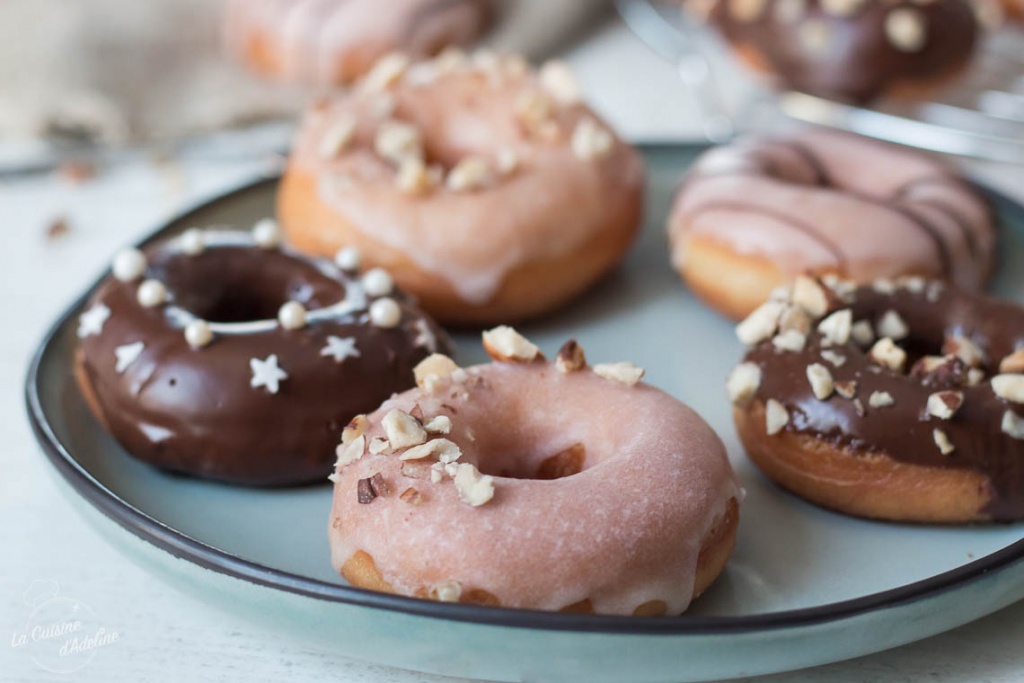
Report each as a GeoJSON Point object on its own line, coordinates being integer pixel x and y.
{"type": "Point", "coordinates": [385, 313]}
{"type": "Point", "coordinates": [128, 265]}
{"type": "Point", "coordinates": [377, 282]}
{"type": "Point", "coordinates": [151, 293]}
{"type": "Point", "coordinates": [266, 234]}
{"type": "Point", "coordinates": [192, 241]}
{"type": "Point", "coordinates": [348, 258]}
{"type": "Point", "coordinates": [198, 333]}
{"type": "Point", "coordinates": [292, 315]}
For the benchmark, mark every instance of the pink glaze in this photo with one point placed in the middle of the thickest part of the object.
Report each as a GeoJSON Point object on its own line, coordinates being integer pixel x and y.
{"type": "Point", "coordinates": [868, 210]}
{"type": "Point", "coordinates": [624, 531]}
{"type": "Point", "coordinates": [553, 204]}
{"type": "Point", "coordinates": [310, 38]}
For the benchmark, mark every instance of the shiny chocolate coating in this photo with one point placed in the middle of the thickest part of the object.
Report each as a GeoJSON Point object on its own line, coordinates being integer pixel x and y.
{"type": "Point", "coordinates": [903, 430]}
{"type": "Point", "coordinates": [198, 410]}
{"type": "Point", "coordinates": [850, 50]}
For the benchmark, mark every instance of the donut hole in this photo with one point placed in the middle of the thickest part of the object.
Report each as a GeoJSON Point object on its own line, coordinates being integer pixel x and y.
{"type": "Point", "coordinates": [241, 284]}
{"type": "Point", "coordinates": [564, 463]}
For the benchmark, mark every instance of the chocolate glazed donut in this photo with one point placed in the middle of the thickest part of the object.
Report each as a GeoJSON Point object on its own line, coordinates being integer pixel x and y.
{"type": "Point", "coordinates": [854, 50]}
{"type": "Point", "coordinates": [225, 356]}
{"type": "Point", "coordinates": [824, 403]}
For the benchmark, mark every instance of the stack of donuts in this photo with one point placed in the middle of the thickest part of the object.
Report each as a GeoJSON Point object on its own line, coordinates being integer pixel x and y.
{"type": "Point", "coordinates": [474, 190]}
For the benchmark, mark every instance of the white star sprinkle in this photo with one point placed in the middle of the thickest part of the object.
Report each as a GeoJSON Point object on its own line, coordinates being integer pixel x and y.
{"type": "Point", "coordinates": [340, 348]}
{"type": "Point", "coordinates": [91, 322]}
{"type": "Point", "coordinates": [424, 337]}
{"type": "Point", "coordinates": [266, 373]}
{"type": "Point", "coordinates": [127, 354]}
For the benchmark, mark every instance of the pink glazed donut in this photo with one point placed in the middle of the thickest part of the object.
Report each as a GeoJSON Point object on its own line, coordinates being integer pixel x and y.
{"type": "Point", "coordinates": [333, 42]}
{"type": "Point", "coordinates": [533, 484]}
{"type": "Point", "coordinates": [753, 215]}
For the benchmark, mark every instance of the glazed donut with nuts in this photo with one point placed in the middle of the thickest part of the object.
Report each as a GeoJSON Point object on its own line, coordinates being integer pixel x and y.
{"type": "Point", "coordinates": [334, 42]}
{"type": "Point", "coordinates": [765, 210]}
{"type": "Point", "coordinates": [852, 50]}
{"type": "Point", "coordinates": [224, 355]}
{"type": "Point", "coordinates": [489, 191]}
{"type": "Point", "coordinates": [897, 400]}
{"type": "Point", "coordinates": [534, 484]}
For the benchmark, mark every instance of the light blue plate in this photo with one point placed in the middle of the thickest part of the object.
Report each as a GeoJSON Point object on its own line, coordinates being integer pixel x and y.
{"type": "Point", "coordinates": [804, 586]}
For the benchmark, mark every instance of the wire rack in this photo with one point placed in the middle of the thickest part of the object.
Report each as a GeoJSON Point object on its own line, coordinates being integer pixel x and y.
{"type": "Point", "coordinates": [981, 117]}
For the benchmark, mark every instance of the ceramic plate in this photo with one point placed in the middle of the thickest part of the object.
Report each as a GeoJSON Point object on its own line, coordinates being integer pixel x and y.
{"type": "Point", "coordinates": [804, 586]}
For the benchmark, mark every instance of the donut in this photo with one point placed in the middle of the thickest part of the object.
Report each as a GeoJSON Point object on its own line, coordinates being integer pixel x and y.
{"type": "Point", "coordinates": [852, 50]}
{"type": "Point", "coordinates": [224, 355]}
{"type": "Point", "coordinates": [764, 210]}
{"type": "Point", "coordinates": [897, 400]}
{"type": "Point", "coordinates": [532, 484]}
{"type": "Point", "coordinates": [490, 192]}
{"type": "Point", "coordinates": [333, 42]}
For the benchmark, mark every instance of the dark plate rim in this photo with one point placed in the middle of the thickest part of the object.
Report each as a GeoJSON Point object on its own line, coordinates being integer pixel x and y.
{"type": "Point", "coordinates": [166, 538]}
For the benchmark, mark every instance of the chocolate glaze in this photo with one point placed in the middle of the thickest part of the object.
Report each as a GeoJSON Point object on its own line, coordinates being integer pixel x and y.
{"type": "Point", "coordinates": [194, 411]}
{"type": "Point", "coordinates": [904, 430]}
{"type": "Point", "coordinates": [854, 59]}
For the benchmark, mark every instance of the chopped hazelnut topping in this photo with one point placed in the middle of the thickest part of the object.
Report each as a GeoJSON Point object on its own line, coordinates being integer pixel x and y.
{"type": "Point", "coordinates": [506, 345]}
{"type": "Point", "coordinates": [445, 450]}
{"type": "Point", "coordinates": [884, 285]}
{"type": "Point", "coordinates": [975, 376]}
{"type": "Point", "coordinates": [354, 428]}
{"type": "Point", "coordinates": [809, 295]}
{"type": "Point", "coordinates": [880, 399]}
{"type": "Point", "coordinates": [835, 329]}
{"type": "Point", "coordinates": [892, 325]}
{"type": "Point", "coordinates": [821, 381]}
{"type": "Point", "coordinates": [436, 472]}
{"type": "Point", "coordinates": [350, 452]}
{"type": "Point", "coordinates": [436, 366]}
{"type": "Point", "coordinates": [447, 591]}
{"type": "Point", "coordinates": [858, 406]}
{"type": "Point", "coordinates": [570, 357]}
{"type": "Point", "coordinates": [412, 177]}
{"type": "Point", "coordinates": [403, 429]}
{"type": "Point", "coordinates": [1014, 363]}
{"type": "Point", "coordinates": [906, 29]}
{"type": "Point", "coordinates": [337, 138]}
{"type": "Point", "coordinates": [507, 161]}
{"type": "Point", "coordinates": [397, 141]}
{"type": "Point", "coordinates": [934, 291]}
{"type": "Point", "coordinates": [386, 71]}
{"type": "Point", "coordinates": [964, 349]}
{"type": "Point", "coordinates": [912, 283]}
{"type": "Point", "coordinates": [533, 109]}
{"type": "Point", "coordinates": [863, 333]}
{"type": "Point", "coordinates": [626, 373]}
{"type": "Point", "coordinates": [944, 404]}
{"type": "Point", "coordinates": [411, 496]}
{"type": "Point", "coordinates": [1009, 387]}
{"type": "Point", "coordinates": [939, 371]}
{"type": "Point", "coordinates": [790, 340]}
{"type": "Point", "coordinates": [471, 173]}
{"type": "Point", "coordinates": [364, 491]}
{"type": "Point", "coordinates": [1013, 425]}
{"type": "Point", "coordinates": [776, 417]}
{"type": "Point", "coordinates": [441, 424]}
{"type": "Point", "coordinates": [847, 389]}
{"type": "Point", "coordinates": [743, 383]}
{"type": "Point", "coordinates": [795, 318]}
{"type": "Point", "coordinates": [942, 441]}
{"type": "Point", "coordinates": [378, 445]}
{"type": "Point", "coordinates": [833, 357]}
{"type": "Point", "coordinates": [591, 141]}
{"type": "Point", "coordinates": [473, 488]}
{"type": "Point", "coordinates": [557, 79]}
{"type": "Point", "coordinates": [887, 354]}
{"type": "Point", "coordinates": [761, 323]}
{"type": "Point", "coordinates": [845, 290]}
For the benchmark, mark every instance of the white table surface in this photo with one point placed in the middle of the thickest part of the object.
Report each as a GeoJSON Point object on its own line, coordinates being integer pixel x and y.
{"type": "Point", "coordinates": [167, 635]}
